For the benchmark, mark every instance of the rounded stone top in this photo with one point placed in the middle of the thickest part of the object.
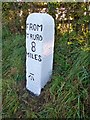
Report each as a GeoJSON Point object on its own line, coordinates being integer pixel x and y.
{"type": "Point", "coordinates": [40, 17]}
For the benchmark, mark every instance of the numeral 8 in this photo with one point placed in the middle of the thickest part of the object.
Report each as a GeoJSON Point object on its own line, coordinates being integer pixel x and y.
{"type": "Point", "coordinates": [33, 46]}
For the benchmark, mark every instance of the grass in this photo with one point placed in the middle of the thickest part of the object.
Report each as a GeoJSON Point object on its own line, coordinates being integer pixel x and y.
{"type": "Point", "coordinates": [66, 96]}
{"type": "Point", "coordinates": [0, 65]}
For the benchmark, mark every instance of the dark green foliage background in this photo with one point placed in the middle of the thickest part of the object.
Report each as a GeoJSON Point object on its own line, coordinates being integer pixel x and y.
{"type": "Point", "coordinates": [67, 95]}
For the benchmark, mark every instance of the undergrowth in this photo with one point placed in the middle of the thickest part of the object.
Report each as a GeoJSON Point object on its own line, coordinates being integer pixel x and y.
{"type": "Point", "coordinates": [66, 96]}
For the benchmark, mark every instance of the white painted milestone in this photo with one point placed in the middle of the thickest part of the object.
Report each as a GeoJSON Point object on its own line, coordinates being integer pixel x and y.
{"type": "Point", "coordinates": [39, 51]}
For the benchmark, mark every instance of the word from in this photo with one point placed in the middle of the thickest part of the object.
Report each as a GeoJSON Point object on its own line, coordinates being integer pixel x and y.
{"type": "Point", "coordinates": [34, 27]}
{"type": "Point", "coordinates": [35, 56]}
